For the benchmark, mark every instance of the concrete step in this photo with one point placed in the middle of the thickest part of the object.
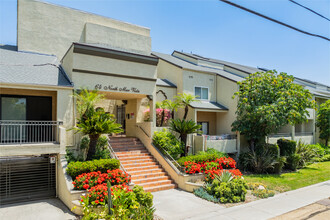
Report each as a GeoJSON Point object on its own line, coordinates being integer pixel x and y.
{"type": "Point", "coordinates": [148, 175]}
{"type": "Point", "coordinates": [132, 152]}
{"type": "Point", "coordinates": [145, 168]}
{"type": "Point", "coordinates": [130, 155]}
{"type": "Point", "coordinates": [125, 143]}
{"type": "Point", "coordinates": [160, 188]}
{"type": "Point", "coordinates": [145, 172]}
{"type": "Point", "coordinates": [146, 160]}
{"type": "Point", "coordinates": [129, 149]}
{"type": "Point", "coordinates": [151, 179]}
{"type": "Point", "coordinates": [156, 183]}
{"type": "Point", "coordinates": [140, 164]}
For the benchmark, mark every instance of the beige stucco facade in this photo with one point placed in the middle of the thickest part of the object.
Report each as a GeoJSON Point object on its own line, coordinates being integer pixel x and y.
{"type": "Point", "coordinates": [51, 29]}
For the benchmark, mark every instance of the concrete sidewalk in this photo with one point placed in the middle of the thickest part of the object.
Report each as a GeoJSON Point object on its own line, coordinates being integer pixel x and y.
{"type": "Point", "coordinates": [177, 204]}
{"type": "Point", "coordinates": [47, 209]}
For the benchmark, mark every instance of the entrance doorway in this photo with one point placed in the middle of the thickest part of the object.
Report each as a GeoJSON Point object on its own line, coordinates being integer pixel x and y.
{"type": "Point", "coordinates": [121, 117]}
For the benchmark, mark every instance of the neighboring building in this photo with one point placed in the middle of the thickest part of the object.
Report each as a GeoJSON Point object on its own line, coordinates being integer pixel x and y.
{"type": "Point", "coordinates": [215, 82]}
{"type": "Point", "coordinates": [60, 50]}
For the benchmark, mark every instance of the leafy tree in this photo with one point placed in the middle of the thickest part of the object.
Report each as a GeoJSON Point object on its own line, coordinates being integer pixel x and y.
{"type": "Point", "coordinates": [162, 106]}
{"type": "Point", "coordinates": [323, 121]}
{"type": "Point", "coordinates": [91, 121]}
{"type": "Point", "coordinates": [184, 128]}
{"type": "Point", "coordinates": [172, 106]}
{"type": "Point", "coordinates": [185, 99]}
{"type": "Point", "coordinates": [266, 102]}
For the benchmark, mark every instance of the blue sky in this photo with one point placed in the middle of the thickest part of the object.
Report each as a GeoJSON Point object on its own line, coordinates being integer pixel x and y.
{"type": "Point", "coordinates": [214, 29]}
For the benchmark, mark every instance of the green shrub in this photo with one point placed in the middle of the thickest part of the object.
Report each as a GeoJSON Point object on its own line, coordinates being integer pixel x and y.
{"type": "Point", "coordinates": [102, 151]}
{"type": "Point", "coordinates": [198, 158]}
{"type": "Point", "coordinates": [213, 151]}
{"type": "Point", "coordinates": [306, 153]}
{"type": "Point", "coordinates": [272, 149]}
{"type": "Point", "coordinates": [143, 212]}
{"type": "Point", "coordinates": [260, 190]}
{"type": "Point", "coordinates": [228, 192]}
{"type": "Point", "coordinates": [287, 147]}
{"type": "Point", "coordinates": [166, 140]}
{"type": "Point", "coordinates": [263, 160]}
{"type": "Point", "coordinates": [76, 168]}
{"type": "Point", "coordinates": [143, 198]}
{"type": "Point", "coordinates": [263, 193]}
{"type": "Point", "coordinates": [202, 193]}
{"type": "Point", "coordinates": [278, 167]}
{"type": "Point", "coordinates": [322, 159]}
{"type": "Point", "coordinates": [293, 162]}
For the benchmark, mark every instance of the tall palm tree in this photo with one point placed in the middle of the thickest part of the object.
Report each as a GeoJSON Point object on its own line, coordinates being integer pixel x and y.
{"type": "Point", "coordinates": [184, 128]}
{"type": "Point", "coordinates": [185, 99]}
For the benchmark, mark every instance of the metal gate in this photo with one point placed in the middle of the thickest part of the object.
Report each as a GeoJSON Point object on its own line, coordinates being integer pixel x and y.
{"type": "Point", "coordinates": [26, 178]}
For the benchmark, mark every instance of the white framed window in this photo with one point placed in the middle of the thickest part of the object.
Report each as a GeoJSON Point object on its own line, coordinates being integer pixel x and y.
{"type": "Point", "coordinates": [202, 93]}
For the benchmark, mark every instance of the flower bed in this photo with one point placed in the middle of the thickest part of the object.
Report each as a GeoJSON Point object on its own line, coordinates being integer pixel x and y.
{"type": "Point", "coordinates": [89, 180]}
{"type": "Point", "coordinates": [217, 164]}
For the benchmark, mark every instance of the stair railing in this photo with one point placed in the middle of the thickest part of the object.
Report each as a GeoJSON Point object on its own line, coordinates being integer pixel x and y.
{"type": "Point", "coordinates": [169, 159]}
{"type": "Point", "coordinates": [114, 156]}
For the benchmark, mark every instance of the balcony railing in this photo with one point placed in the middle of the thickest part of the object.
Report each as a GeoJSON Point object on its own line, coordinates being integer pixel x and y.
{"type": "Point", "coordinates": [27, 132]}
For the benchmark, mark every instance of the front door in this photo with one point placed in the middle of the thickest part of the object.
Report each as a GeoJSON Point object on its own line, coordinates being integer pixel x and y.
{"type": "Point", "coordinates": [121, 116]}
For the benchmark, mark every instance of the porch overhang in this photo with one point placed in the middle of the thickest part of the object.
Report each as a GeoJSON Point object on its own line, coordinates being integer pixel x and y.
{"type": "Point", "coordinates": [208, 106]}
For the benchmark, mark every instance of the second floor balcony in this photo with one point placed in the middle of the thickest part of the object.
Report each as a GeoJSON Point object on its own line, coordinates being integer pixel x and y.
{"type": "Point", "coordinates": [18, 132]}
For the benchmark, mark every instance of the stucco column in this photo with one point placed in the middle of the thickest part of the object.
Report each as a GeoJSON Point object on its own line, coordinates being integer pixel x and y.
{"type": "Point", "coordinates": [292, 132]}
{"type": "Point", "coordinates": [153, 111]}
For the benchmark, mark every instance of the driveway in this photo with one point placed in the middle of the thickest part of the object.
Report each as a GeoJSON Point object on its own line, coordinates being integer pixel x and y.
{"type": "Point", "coordinates": [50, 209]}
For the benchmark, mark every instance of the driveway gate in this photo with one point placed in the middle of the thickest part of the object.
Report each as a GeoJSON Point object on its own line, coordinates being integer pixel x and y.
{"type": "Point", "coordinates": [26, 178]}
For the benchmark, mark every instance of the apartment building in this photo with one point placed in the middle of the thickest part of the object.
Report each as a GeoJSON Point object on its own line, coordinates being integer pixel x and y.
{"type": "Point", "coordinates": [60, 50]}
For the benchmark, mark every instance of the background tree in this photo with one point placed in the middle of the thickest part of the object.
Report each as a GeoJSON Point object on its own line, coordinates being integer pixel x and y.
{"type": "Point", "coordinates": [172, 106]}
{"type": "Point", "coordinates": [184, 128]}
{"type": "Point", "coordinates": [161, 105]}
{"type": "Point", "coordinates": [266, 102]}
{"type": "Point", "coordinates": [323, 121]}
{"type": "Point", "coordinates": [93, 122]}
{"type": "Point", "coordinates": [185, 99]}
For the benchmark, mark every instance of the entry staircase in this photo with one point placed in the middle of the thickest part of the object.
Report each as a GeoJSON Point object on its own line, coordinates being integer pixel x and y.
{"type": "Point", "coordinates": [145, 171]}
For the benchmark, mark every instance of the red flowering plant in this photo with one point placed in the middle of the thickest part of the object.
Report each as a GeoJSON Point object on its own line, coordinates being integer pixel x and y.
{"type": "Point", "coordinates": [217, 164]}
{"type": "Point", "coordinates": [89, 180]}
{"type": "Point", "coordinates": [192, 167]}
{"type": "Point", "coordinates": [98, 195]}
{"type": "Point", "coordinates": [210, 174]}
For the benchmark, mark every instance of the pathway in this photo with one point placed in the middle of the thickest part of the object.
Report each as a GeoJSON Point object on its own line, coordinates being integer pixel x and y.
{"type": "Point", "coordinates": [177, 205]}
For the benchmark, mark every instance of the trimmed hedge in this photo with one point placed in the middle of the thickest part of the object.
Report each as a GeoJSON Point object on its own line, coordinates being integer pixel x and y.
{"type": "Point", "coordinates": [76, 168]}
{"type": "Point", "coordinates": [198, 158]}
{"type": "Point", "coordinates": [287, 147]}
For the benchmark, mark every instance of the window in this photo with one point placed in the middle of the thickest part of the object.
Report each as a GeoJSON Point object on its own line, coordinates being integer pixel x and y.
{"type": "Point", "coordinates": [202, 93]}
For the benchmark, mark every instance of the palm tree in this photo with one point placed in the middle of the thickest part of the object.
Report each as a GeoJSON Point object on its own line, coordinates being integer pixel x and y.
{"type": "Point", "coordinates": [93, 122]}
{"type": "Point", "coordinates": [185, 99]}
{"type": "Point", "coordinates": [172, 106]}
{"type": "Point", "coordinates": [184, 128]}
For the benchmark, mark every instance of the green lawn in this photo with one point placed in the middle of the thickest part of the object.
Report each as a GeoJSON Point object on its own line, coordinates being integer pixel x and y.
{"type": "Point", "coordinates": [312, 174]}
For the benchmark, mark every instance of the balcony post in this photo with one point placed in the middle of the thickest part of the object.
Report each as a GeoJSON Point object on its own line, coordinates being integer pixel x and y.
{"type": "Point", "coordinates": [21, 134]}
